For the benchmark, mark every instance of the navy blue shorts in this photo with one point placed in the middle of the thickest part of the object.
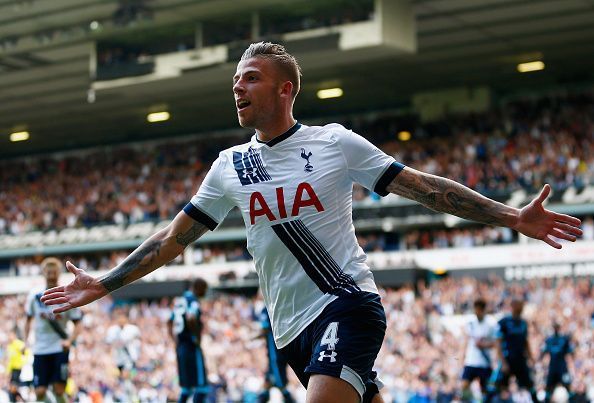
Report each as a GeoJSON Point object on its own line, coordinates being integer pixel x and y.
{"type": "Point", "coordinates": [50, 368]}
{"type": "Point", "coordinates": [342, 342]}
{"type": "Point", "coordinates": [559, 377]}
{"type": "Point", "coordinates": [482, 374]}
{"type": "Point", "coordinates": [518, 368]}
{"type": "Point", "coordinates": [15, 376]}
{"type": "Point", "coordinates": [191, 367]}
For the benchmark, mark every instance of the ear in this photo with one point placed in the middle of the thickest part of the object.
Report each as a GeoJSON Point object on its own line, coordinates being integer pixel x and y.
{"type": "Point", "coordinates": [286, 89]}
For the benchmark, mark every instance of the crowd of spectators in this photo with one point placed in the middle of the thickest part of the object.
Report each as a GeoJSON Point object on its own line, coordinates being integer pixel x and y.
{"type": "Point", "coordinates": [416, 239]}
{"type": "Point", "coordinates": [421, 358]}
{"type": "Point", "coordinates": [521, 145]}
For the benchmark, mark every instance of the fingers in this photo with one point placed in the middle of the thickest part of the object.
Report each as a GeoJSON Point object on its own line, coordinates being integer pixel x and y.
{"type": "Point", "coordinates": [569, 229]}
{"type": "Point", "coordinates": [45, 298]}
{"type": "Point", "coordinates": [544, 193]}
{"type": "Point", "coordinates": [562, 235]}
{"type": "Point", "coordinates": [72, 268]}
{"type": "Point", "coordinates": [59, 288]}
{"type": "Point", "coordinates": [576, 222]}
{"type": "Point", "coordinates": [550, 241]}
{"type": "Point", "coordinates": [56, 301]}
{"type": "Point", "coordinates": [63, 308]}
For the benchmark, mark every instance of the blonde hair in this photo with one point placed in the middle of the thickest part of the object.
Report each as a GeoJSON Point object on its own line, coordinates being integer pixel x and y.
{"type": "Point", "coordinates": [49, 262]}
{"type": "Point", "coordinates": [283, 59]}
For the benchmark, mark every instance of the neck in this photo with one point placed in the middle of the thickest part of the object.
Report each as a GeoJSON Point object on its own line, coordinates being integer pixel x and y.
{"type": "Point", "coordinates": [275, 130]}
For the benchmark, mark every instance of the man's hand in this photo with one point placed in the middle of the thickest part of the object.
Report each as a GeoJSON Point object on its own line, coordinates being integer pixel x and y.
{"type": "Point", "coordinates": [66, 345]}
{"type": "Point", "coordinates": [81, 291]}
{"type": "Point", "coordinates": [537, 222]}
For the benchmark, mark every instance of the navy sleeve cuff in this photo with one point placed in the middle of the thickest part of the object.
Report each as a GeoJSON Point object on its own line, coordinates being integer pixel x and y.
{"type": "Point", "coordinates": [200, 216]}
{"type": "Point", "coordinates": [387, 177]}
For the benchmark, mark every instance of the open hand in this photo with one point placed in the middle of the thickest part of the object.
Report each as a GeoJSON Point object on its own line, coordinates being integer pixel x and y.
{"type": "Point", "coordinates": [537, 222]}
{"type": "Point", "coordinates": [81, 291]}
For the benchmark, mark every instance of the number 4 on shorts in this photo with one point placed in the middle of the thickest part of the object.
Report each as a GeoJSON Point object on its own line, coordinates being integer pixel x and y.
{"type": "Point", "coordinates": [330, 336]}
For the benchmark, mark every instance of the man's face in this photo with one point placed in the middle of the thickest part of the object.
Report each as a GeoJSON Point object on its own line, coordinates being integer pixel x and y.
{"type": "Point", "coordinates": [200, 290]}
{"type": "Point", "coordinates": [51, 274]}
{"type": "Point", "coordinates": [257, 90]}
{"type": "Point", "coordinates": [517, 306]}
{"type": "Point", "coordinates": [479, 312]}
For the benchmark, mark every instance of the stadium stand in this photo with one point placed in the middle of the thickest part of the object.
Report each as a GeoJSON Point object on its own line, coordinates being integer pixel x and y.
{"type": "Point", "coordinates": [421, 359]}
{"type": "Point", "coordinates": [440, 93]}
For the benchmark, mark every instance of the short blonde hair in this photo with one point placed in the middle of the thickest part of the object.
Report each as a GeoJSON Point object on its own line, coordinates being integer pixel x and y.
{"type": "Point", "coordinates": [50, 262]}
{"type": "Point", "coordinates": [284, 60]}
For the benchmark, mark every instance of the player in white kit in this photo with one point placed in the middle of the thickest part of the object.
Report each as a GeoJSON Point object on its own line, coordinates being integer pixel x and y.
{"type": "Point", "coordinates": [124, 339]}
{"type": "Point", "coordinates": [480, 339]}
{"type": "Point", "coordinates": [293, 186]}
{"type": "Point", "coordinates": [52, 341]}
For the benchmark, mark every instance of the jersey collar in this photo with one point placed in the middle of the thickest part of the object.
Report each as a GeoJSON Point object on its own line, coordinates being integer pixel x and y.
{"type": "Point", "coordinates": [281, 137]}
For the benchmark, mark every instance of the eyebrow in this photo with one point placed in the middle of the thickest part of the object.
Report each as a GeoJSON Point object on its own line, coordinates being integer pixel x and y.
{"type": "Point", "coordinates": [236, 76]}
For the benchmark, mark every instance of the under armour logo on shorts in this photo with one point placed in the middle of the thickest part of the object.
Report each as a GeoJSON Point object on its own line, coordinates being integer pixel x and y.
{"type": "Point", "coordinates": [332, 356]}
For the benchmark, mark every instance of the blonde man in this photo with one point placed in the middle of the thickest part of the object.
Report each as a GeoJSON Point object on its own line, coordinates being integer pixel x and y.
{"type": "Point", "coordinates": [52, 341]}
{"type": "Point", "coordinates": [293, 184]}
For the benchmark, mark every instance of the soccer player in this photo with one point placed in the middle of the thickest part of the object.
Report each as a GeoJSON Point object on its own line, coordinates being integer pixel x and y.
{"type": "Point", "coordinates": [52, 341]}
{"type": "Point", "coordinates": [293, 186]}
{"type": "Point", "coordinates": [16, 359]}
{"type": "Point", "coordinates": [185, 328]}
{"type": "Point", "coordinates": [480, 339]}
{"type": "Point", "coordinates": [513, 352]}
{"type": "Point", "coordinates": [276, 376]}
{"type": "Point", "coordinates": [558, 346]}
{"type": "Point", "coordinates": [124, 338]}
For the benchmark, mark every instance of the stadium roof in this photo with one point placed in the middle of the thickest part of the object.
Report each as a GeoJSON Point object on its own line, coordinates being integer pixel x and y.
{"type": "Point", "coordinates": [46, 47]}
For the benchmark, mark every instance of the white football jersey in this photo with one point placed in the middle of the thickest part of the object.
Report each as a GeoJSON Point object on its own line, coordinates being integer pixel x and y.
{"type": "Point", "coordinates": [126, 344]}
{"type": "Point", "coordinates": [47, 340]}
{"type": "Point", "coordinates": [475, 330]}
{"type": "Point", "coordinates": [295, 196]}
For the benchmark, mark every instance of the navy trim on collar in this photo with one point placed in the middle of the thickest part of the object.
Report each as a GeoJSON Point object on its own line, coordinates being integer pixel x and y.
{"type": "Point", "coordinates": [281, 137]}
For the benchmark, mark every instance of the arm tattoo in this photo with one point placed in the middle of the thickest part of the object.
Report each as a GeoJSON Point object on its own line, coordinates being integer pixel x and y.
{"type": "Point", "coordinates": [139, 261]}
{"type": "Point", "coordinates": [186, 238]}
{"type": "Point", "coordinates": [446, 196]}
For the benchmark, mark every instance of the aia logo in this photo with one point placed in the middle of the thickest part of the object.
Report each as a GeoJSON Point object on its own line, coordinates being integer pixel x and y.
{"type": "Point", "coordinates": [308, 166]}
{"type": "Point", "coordinates": [305, 196]}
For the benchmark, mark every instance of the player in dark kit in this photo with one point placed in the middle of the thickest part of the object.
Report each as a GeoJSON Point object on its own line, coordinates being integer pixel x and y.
{"type": "Point", "coordinates": [185, 327]}
{"type": "Point", "coordinates": [558, 346]}
{"type": "Point", "coordinates": [276, 376]}
{"type": "Point", "coordinates": [513, 352]}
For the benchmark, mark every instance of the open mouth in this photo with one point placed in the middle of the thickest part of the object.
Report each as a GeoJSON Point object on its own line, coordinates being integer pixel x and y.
{"type": "Point", "coordinates": [242, 104]}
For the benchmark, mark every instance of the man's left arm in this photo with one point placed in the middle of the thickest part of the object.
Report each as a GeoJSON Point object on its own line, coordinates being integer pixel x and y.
{"type": "Point", "coordinates": [529, 353]}
{"type": "Point", "coordinates": [447, 196]}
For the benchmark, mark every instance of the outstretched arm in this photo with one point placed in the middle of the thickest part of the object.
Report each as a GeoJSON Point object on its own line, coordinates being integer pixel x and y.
{"type": "Point", "coordinates": [156, 251]}
{"type": "Point", "coordinates": [445, 195]}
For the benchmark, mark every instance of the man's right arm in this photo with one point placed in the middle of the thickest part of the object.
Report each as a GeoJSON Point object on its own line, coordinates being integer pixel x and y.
{"type": "Point", "coordinates": [27, 328]}
{"type": "Point", "coordinates": [153, 253]}
{"type": "Point", "coordinates": [159, 249]}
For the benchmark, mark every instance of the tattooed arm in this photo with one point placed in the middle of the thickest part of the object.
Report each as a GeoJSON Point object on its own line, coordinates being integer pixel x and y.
{"type": "Point", "coordinates": [445, 195]}
{"type": "Point", "coordinates": [153, 253]}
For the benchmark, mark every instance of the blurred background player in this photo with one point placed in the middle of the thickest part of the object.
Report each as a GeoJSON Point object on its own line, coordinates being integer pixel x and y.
{"type": "Point", "coordinates": [16, 350]}
{"type": "Point", "coordinates": [558, 346]}
{"type": "Point", "coordinates": [276, 376]}
{"type": "Point", "coordinates": [185, 328]}
{"type": "Point", "coordinates": [52, 341]}
{"type": "Point", "coordinates": [480, 334]}
{"type": "Point", "coordinates": [513, 353]}
{"type": "Point", "coordinates": [124, 338]}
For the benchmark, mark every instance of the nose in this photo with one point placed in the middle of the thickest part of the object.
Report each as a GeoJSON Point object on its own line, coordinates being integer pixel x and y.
{"type": "Point", "coordinates": [238, 88]}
